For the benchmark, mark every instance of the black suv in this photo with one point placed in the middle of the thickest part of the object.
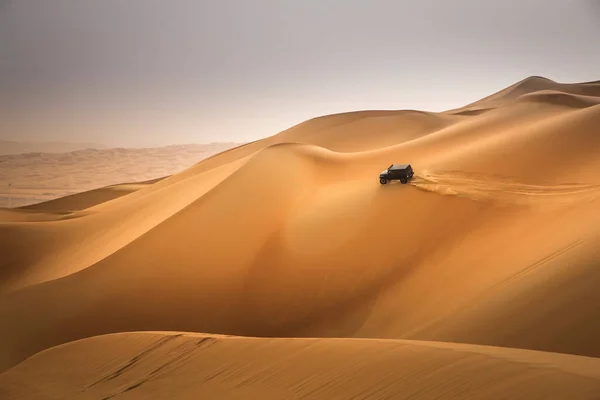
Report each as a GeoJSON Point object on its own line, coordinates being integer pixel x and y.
{"type": "Point", "coordinates": [401, 172]}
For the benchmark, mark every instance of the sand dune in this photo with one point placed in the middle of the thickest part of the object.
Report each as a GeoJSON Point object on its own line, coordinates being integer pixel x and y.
{"type": "Point", "coordinates": [15, 147]}
{"type": "Point", "coordinates": [186, 366]}
{"type": "Point", "coordinates": [493, 243]}
{"type": "Point", "coordinates": [90, 198]}
{"type": "Point", "coordinates": [529, 85]}
{"type": "Point", "coordinates": [37, 177]}
{"type": "Point", "coordinates": [346, 132]}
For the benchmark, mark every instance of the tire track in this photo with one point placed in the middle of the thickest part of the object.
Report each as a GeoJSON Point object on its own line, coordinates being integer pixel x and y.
{"type": "Point", "coordinates": [502, 189]}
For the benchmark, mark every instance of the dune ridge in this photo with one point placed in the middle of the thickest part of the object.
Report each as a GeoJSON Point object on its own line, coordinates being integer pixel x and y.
{"type": "Point", "coordinates": [37, 177]}
{"type": "Point", "coordinates": [17, 147]}
{"type": "Point", "coordinates": [530, 85]}
{"type": "Point", "coordinates": [494, 243]}
{"type": "Point", "coordinates": [150, 365]}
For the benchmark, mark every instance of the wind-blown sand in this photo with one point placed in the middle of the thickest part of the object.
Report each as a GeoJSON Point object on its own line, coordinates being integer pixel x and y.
{"type": "Point", "coordinates": [495, 243]}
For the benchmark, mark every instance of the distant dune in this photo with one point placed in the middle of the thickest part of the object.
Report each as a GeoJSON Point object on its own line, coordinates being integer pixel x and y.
{"type": "Point", "coordinates": [14, 147]}
{"type": "Point", "coordinates": [37, 177]}
{"type": "Point", "coordinates": [281, 268]}
{"type": "Point", "coordinates": [532, 85]}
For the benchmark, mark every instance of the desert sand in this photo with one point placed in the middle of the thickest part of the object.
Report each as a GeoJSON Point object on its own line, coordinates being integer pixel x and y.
{"type": "Point", "coordinates": [37, 177]}
{"type": "Point", "coordinates": [283, 269]}
{"type": "Point", "coordinates": [19, 147]}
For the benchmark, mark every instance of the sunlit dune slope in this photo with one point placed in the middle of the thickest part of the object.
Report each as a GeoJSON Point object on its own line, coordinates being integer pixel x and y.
{"type": "Point", "coordinates": [494, 242]}
{"type": "Point", "coordinates": [71, 243]}
{"type": "Point", "coordinates": [186, 366]}
{"type": "Point", "coordinates": [88, 199]}
{"type": "Point", "coordinates": [529, 85]}
{"type": "Point", "coordinates": [366, 130]}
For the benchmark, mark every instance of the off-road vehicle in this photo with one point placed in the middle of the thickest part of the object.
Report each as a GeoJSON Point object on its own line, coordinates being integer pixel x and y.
{"type": "Point", "coordinates": [396, 172]}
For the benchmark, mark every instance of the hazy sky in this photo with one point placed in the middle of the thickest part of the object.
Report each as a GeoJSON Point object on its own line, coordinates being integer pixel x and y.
{"type": "Point", "coordinates": [149, 72]}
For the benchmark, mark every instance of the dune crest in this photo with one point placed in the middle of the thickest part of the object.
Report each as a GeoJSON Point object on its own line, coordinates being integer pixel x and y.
{"type": "Point", "coordinates": [150, 365]}
{"type": "Point", "coordinates": [530, 85]}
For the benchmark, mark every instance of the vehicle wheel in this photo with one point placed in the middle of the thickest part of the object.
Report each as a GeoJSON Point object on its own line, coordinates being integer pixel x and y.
{"type": "Point", "coordinates": [403, 180]}
{"type": "Point", "coordinates": [383, 181]}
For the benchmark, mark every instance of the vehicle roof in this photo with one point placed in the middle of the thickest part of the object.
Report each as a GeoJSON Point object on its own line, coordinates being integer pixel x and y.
{"type": "Point", "coordinates": [399, 166]}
